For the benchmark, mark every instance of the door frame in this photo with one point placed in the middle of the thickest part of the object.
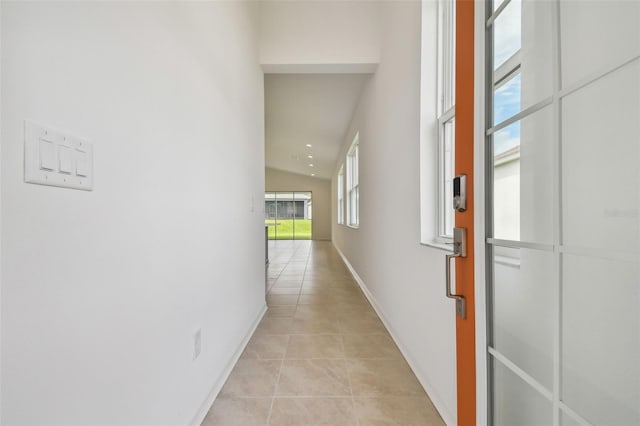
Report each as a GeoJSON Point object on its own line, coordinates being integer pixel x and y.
{"type": "Point", "coordinates": [480, 200]}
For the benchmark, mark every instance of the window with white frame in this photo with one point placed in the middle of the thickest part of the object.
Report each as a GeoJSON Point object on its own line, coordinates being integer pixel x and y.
{"type": "Point", "coordinates": [341, 195]}
{"type": "Point", "coordinates": [353, 190]}
{"type": "Point", "coordinates": [446, 118]}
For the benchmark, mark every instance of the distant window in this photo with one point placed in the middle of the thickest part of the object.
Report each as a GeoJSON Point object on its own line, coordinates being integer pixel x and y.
{"type": "Point", "coordinates": [353, 190]}
{"type": "Point", "coordinates": [341, 195]}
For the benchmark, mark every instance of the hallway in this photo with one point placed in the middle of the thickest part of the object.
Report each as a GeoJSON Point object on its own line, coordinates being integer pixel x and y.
{"type": "Point", "coordinates": [320, 356]}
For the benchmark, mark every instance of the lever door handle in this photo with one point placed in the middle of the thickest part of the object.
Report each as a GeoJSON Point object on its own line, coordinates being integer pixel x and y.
{"type": "Point", "coordinates": [459, 250]}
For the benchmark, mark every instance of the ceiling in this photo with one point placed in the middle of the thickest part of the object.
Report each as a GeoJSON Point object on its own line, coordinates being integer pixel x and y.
{"type": "Point", "coordinates": [308, 109]}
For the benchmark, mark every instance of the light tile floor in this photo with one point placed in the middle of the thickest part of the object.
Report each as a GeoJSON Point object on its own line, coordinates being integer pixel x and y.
{"type": "Point", "coordinates": [321, 355]}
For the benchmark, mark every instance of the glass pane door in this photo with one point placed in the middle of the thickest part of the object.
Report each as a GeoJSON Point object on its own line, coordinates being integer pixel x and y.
{"type": "Point", "coordinates": [288, 215]}
{"type": "Point", "coordinates": [270, 214]}
{"type": "Point", "coordinates": [563, 228]}
{"type": "Point", "coordinates": [302, 223]}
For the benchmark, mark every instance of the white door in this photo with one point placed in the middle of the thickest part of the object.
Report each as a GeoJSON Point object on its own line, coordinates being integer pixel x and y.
{"type": "Point", "coordinates": [563, 209]}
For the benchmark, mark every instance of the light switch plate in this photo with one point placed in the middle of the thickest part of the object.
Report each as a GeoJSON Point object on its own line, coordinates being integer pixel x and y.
{"type": "Point", "coordinates": [56, 158]}
{"type": "Point", "coordinates": [47, 155]}
{"type": "Point", "coordinates": [66, 154]}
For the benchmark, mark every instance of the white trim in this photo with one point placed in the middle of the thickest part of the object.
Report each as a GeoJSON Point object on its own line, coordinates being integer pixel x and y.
{"type": "Point", "coordinates": [447, 116]}
{"type": "Point", "coordinates": [479, 232]}
{"type": "Point", "coordinates": [507, 70]}
{"type": "Point", "coordinates": [336, 68]}
{"type": "Point", "coordinates": [572, 414]}
{"type": "Point", "coordinates": [615, 255]}
{"type": "Point", "coordinates": [557, 209]}
{"type": "Point", "coordinates": [340, 199]}
{"type": "Point", "coordinates": [440, 246]}
{"type": "Point", "coordinates": [1, 346]}
{"type": "Point", "coordinates": [520, 244]}
{"type": "Point", "coordinates": [429, 107]}
{"type": "Point", "coordinates": [217, 387]}
{"type": "Point", "coordinates": [445, 112]}
{"type": "Point", "coordinates": [594, 77]}
{"type": "Point", "coordinates": [352, 183]}
{"type": "Point", "coordinates": [449, 418]}
{"type": "Point", "coordinates": [521, 115]}
{"type": "Point", "coordinates": [443, 168]}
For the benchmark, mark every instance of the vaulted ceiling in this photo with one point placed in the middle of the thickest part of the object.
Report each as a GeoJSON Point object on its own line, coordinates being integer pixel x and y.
{"type": "Point", "coordinates": [308, 109]}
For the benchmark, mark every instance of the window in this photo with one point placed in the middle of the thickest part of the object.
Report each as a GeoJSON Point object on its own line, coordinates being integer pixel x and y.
{"type": "Point", "coordinates": [288, 215]}
{"type": "Point", "coordinates": [341, 195]}
{"type": "Point", "coordinates": [353, 192]}
{"type": "Point", "coordinates": [446, 118]}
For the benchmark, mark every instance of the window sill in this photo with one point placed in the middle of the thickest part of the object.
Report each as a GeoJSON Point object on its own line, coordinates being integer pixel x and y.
{"type": "Point", "coordinates": [438, 245]}
{"type": "Point", "coordinates": [353, 226]}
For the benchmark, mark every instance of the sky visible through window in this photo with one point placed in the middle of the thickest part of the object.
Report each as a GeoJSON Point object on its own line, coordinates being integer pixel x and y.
{"type": "Point", "coordinates": [506, 99]}
{"type": "Point", "coordinates": [506, 103]}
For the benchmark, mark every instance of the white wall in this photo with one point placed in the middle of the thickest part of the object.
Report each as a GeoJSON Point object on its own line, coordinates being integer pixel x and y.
{"type": "Point", "coordinates": [319, 32]}
{"type": "Point", "coordinates": [405, 279]}
{"type": "Point", "coordinates": [1, 94]}
{"type": "Point", "coordinates": [102, 291]}
{"type": "Point", "coordinates": [279, 180]}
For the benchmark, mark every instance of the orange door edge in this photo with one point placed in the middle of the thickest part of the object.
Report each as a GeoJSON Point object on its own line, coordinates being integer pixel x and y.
{"type": "Point", "coordinates": [465, 328]}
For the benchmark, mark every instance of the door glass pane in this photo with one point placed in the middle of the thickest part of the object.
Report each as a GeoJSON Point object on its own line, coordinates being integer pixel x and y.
{"type": "Point", "coordinates": [507, 33]}
{"type": "Point", "coordinates": [601, 339]}
{"type": "Point", "coordinates": [523, 179]}
{"type": "Point", "coordinates": [517, 403]}
{"type": "Point", "coordinates": [575, 162]}
{"type": "Point", "coordinates": [506, 99]}
{"type": "Point", "coordinates": [524, 35]}
{"type": "Point", "coordinates": [536, 54]}
{"type": "Point", "coordinates": [566, 420]}
{"type": "Point", "coordinates": [270, 213]}
{"type": "Point", "coordinates": [523, 310]}
{"type": "Point", "coordinates": [601, 157]}
{"type": "Point", "coordinates": [303, 212]}
{"type": "Point", "coordinates": [611, 28]}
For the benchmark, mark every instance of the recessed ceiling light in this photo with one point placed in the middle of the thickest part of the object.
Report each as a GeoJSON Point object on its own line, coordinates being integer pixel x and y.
{"type": "Point", "coordinates": [313, 174]}
{"type": "Point", "coordinates": [309, 156]}
{"type": "Point", "coordinates": [310, 165]}
{"type": "Point", "coordinates": [309, 145]}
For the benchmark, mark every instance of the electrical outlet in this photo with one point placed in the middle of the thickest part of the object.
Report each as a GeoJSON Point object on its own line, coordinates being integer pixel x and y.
{"type": "Point", "coordinates": [197, 344]}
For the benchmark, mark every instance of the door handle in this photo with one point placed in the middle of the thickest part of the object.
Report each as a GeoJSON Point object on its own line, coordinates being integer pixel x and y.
{"type": "Point", "coordinates": [459, 250]}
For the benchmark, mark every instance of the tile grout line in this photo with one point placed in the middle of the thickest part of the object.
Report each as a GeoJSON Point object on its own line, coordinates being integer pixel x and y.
{"type": "Point", "coordinates": [275, 389]}
{"type": "Point", "coordinates": [346, 366]}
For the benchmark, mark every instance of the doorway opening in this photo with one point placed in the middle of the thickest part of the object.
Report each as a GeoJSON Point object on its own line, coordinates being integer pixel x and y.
{"type": "Point", "coordinates": [288, 215]}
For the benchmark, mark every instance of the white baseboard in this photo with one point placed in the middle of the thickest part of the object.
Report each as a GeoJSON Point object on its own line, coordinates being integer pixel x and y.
{"type": "Point", "coordinates": [208, 402]}
{"type": "Point", "coordinates": [448, 418]}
